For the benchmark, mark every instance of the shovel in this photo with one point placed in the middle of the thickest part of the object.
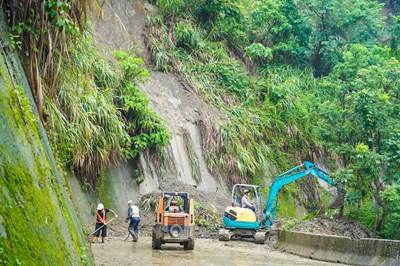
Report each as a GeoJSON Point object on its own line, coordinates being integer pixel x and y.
{"type": "Point", "coordinates": [102, 226]}
{"type": "Point", "coordinates": [127, 237]}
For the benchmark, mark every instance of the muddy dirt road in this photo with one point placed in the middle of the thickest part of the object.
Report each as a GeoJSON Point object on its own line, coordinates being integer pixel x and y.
{"type": "Point", "coordinates": [206, 252]}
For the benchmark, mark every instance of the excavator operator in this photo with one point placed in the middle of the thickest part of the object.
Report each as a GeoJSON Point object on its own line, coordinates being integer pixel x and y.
{"type": "Point", "coordinates": [246, 203]}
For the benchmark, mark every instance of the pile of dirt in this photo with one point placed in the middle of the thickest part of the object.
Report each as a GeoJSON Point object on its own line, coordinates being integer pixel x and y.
{"type": "Point", "coordinates": [339, 227]}
{"type": "Point", "coordinates": [118, 228]}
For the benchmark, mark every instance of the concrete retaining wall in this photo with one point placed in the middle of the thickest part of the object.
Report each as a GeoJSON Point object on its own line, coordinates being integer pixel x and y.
{"type": "Point", "coordinates": [340, 249]}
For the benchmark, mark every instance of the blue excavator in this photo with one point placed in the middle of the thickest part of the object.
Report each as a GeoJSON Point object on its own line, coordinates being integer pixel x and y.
{"type": "Point", "coordinates": [245, 223]}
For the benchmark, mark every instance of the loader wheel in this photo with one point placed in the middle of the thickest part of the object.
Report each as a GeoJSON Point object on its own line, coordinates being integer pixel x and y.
{"type": "Point", "coordinates": [155, 243]}
{"type": "Point", "coordinates": [189, 245]}
{"type": "Point", "coordinates": [260, 237]}
{"type": "Point", "coordinates": [224, 235]}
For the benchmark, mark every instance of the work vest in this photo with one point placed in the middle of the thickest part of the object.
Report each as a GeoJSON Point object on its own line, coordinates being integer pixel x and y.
{"type": "Point", "coordinates": [173, 208]}
{"type": "Point", "coordinates": [101, 219]}
{"type": "Point", "coordinates": [135, 211]}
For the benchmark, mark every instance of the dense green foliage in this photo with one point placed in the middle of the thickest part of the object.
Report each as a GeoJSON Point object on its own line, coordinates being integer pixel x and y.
{"type": "Point", "coordinates": [360, 122]}
{"type": "Point", "coordinates": [298, 80]}
{"type": "Point", "coordinates": [206, 217]}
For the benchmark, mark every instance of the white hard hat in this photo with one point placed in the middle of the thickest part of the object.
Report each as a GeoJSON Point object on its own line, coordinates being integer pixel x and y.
{"type": "Point", "coordinates": [100, 206]}
{"type": "Point", "coordinates": [130, 202]}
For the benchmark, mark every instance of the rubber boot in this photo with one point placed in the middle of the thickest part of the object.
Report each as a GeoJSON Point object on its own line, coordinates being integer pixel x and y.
{"type": "Point", "coordinates": [103, 239]}
{"type": "Point", "coordinates": [94, 239]}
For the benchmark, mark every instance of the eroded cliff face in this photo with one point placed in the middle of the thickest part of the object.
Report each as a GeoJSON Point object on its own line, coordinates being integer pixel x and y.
{"type": "Point", "coordinates": [38, 221]}
{"type": "Point", "coordinates": [121, 26]}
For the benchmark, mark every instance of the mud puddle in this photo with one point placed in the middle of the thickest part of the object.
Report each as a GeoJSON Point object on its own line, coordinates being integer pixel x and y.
{"type": "Point", "coordinates": [206, 252]}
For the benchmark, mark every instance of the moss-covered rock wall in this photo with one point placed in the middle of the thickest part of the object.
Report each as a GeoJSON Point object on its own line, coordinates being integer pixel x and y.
{"type": "Point", "coordinates": [38, 221]}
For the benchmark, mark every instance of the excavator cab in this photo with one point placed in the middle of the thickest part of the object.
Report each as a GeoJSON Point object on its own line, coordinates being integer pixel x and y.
{"type": "Point", "coordinates": [255, 197]}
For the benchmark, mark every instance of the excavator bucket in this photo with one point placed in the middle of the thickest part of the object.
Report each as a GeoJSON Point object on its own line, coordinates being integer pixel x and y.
{"type": "Point", "coordinates": [339, 201]}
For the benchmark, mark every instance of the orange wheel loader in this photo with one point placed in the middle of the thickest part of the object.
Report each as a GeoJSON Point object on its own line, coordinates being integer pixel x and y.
{"type": "Point", "coordinates": [174, 221]}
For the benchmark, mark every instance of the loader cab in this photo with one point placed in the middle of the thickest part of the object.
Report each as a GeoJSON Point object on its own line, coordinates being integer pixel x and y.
{"type": "Point", "coordinates": [181, 200]}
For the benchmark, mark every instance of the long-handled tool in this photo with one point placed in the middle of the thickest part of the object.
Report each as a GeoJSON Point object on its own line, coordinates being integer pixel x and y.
{"type": "Point", "coordinates": [102, 226]}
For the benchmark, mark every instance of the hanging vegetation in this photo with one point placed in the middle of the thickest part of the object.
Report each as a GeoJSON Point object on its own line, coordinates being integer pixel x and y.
{"type": "Point", "coordinates": [43, 30]}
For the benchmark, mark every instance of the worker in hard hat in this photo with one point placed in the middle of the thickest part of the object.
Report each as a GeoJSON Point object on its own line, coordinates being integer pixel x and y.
{"type": "Point", "coordinates": [101, 222]}
{"type": "Point", "coordinates": [134, 220]}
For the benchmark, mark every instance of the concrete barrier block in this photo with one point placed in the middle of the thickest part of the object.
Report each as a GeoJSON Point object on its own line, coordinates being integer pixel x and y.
{"type": "Point", "coordinates": [340, 249]}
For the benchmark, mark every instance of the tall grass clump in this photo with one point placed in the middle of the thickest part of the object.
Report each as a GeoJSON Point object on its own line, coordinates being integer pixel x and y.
{"type": "Point", "coordinates": [193, 159]}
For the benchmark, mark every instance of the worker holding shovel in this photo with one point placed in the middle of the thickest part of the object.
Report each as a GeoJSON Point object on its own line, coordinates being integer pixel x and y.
{"type": "Point", "coordinates": [101, 222]}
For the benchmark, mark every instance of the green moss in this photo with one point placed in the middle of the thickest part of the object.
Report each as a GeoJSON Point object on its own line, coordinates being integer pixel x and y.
{"type": "Point", "coordinates": [105, 183]}
{"type": "Point", "coordinates": [287, 202]}
{"type": "Point", "coordinates": [287, 207]}
{"type": "Point", "coordinates": [30, 219]}
{"type": "Point", "coordinates": [325, 197]}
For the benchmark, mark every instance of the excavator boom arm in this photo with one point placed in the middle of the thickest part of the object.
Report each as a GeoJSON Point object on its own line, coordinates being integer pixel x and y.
{"type": "Point", "coordinates": [290, 176]}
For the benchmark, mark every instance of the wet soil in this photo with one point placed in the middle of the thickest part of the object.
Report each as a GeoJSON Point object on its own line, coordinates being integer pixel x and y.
{"type": "Point", "coordinates": [120, 250]}
{"type": "Point", "coordinates": [339, 227]}
{"type": "Point", "coordinates": [206, 252]}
